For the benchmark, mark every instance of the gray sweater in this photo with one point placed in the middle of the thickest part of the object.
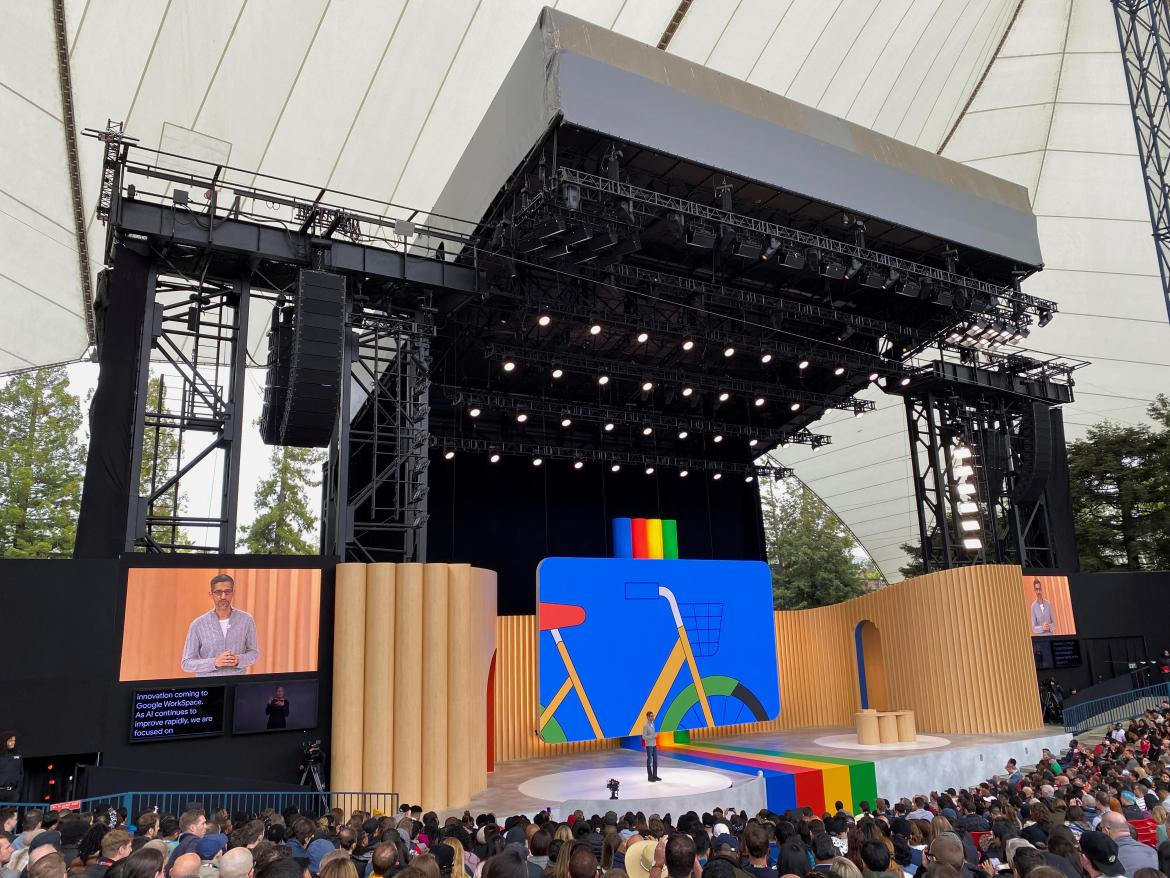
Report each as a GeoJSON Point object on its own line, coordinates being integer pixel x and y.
{"type": "Point", "coordinates": [205, 640]}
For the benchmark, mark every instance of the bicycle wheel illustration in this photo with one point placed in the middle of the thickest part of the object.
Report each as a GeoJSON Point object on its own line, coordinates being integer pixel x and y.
{"type": "Point", "coordinates": [731, 703]}
{"type": "Point", "coordinates": [551, 733]}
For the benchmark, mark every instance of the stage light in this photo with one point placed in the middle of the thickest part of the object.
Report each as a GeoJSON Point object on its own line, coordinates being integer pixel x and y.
{"type": "Point", "coordinates": [646, 431]}
{"type": "Point", "coordinates": [964, 489]}
{"type": "Point", "coordinates": [964, 471]}
{"type": "Point", "coordinates": [795, 407]}
{"type": "Point", "coordinates": [973, 543]}
{"type": "Point", "coordinates": [905, 382]}
{"type": "Point", "coordinates": [682, 473]}
{"type": "Point", "coordinates": [968, 507]}
{"type": "Point", "coordinates": [752, 443]}
{"type": "Point", "coordinates": [449, 454]}
{"type": "Point", "coordinates": [647, 386]}
{"type": "Point", "coordinates": [717, 438]}
{"type": "Point", "coordinates": [760, 401]}
{"type": "Point", "coordinates": [537, 461]}
{"type": "Point", "coordinates": [521, 418]}
{"type": "Point", "coordinates": [649, 470]}
{"type": "Point", "coordinates": [595, 329]}
{"type": "Point", "coordinates": [544, 320]}
{"type": "Point", "coordinates": [566, 422]}
{"type": "Point", "coordinates": [717, 476]}
{"type": "Point", "coordinates": [494, 457]}
{"type": "Point", "coordinates": [643, 337]}
{"type": "Point", "coordinates": [729, 352]}
{"type": "Point", "coordinates": [615, 468]}
{"type": "Point", "coordinates": [688, 345]}
{"type": "Point", "coordinates": [509, 365]}
{"type": "Point", "coordinates": [839, 371]}
{"type": "Point", "coordinates": [803, 364]}
{"type": "Point", "coordinates": [969, 524]}
{"type": "Point", "coordinates": [724, 396]}
{"type": "Point", "coordinates": [858, 413]}
{"type": "Point", "coordinates": [873, 376]}
{"type": "Point", "coordinates": [766, 359]}
{"type": "Point", "coordinates": [846, 333]}
{"type": "Point", "coordinates": [854, 267]}
{"type": "Point", "coordinates": [770, 251]}
{"type": "Point", "coordinates": [687, 391]}
{"type": "Point", "coordinates": [960, 452]}
{"type": "Point", "coordinates": [683, 434]}
{"type": "Point", "coordinates": [578, 464]}
{"type": "Point", "coordinates": [748, 478]}
{"type": "Point", "coordinates": [882, 381]}
{"type": "Point", "coordinates": [1045, 316]}
{"type": "Point", "coordinates": [558, 372]}
{"type": "Point", "coordinates": [609, 427]}
{"type": "Point", "coordinates": [603, 380]}
{"type": "Point", "coordinates": [474, 411]}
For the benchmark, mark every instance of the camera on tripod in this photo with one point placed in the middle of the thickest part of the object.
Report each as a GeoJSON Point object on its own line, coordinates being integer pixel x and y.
{"type": "Point", "coordinates": [1051, 701]}
{"type": "Point", "coordinates": [312, 753]}
{"type": "Point", "coordinates": [612, 786]}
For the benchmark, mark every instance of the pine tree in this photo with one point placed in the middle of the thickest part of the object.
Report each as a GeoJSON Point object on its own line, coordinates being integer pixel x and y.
{"type": "Point", "coordinates": [41, 465]}
{"type": "Point", "coordinates": [285, 524]}
{"type": "Point", "coordinates": [810, 551]}
{"type": "Point", "coordinates": [914, 566]}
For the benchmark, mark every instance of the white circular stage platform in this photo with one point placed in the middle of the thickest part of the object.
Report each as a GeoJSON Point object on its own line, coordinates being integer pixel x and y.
{"type": "Point", "coordinates": [849, 742]}
{"type": "Point", "coordinates": [680, 789]}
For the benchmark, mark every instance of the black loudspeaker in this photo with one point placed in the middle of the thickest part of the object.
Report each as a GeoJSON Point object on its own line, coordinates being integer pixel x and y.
{"type": "Point", "coordinates": [305, 364]}
{"type": "Point", "coordinates": [280, 335]}
{"type": "Point", "coordinates": [1035, 454]}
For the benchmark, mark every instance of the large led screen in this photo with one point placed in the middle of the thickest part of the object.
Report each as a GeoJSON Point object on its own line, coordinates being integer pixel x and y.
{"type": "Point", "coordinates": [693, 642]}
{"type": "Point", "coordinates": [1049, 605]}
{"type": "Point", "coordinates": [219, 622]}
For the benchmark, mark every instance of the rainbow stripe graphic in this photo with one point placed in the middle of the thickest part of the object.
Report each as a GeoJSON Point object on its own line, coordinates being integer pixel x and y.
{"type": "Point", "coordinates": [792, 780]}
{"type": "Point", "coordinates": [645, 538]}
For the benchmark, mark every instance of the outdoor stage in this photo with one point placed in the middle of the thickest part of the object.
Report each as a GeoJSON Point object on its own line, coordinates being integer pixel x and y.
{"type": "Point", "coordinates": [811, 766]}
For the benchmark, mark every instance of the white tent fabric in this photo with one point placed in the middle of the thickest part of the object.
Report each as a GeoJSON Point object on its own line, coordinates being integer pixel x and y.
{"type": "Point", "coordinates": [381, 96]}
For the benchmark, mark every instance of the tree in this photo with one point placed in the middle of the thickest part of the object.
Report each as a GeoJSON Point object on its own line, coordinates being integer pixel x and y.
{"type": "Point", "coordinates": [41, 465]}
{"type": "Point", "coordinates": [913, 567]}
{"type": "Point", "coordinates": [285, 523]}
{"type": "Point", "coordinates": [1119, 484]}
{"type": "Point", "coordinates": [810, 551]}
{"type": "Point", "coordinates": [160, 444]}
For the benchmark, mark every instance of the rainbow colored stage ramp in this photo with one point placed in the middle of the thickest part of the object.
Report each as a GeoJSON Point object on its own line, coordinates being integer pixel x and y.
{"type": "Point", "coordinates": [793, 780]}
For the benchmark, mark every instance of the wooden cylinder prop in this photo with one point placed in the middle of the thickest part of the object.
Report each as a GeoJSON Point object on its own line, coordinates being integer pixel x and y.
{"type": "Point", "coordinates": [460, 686]}
{"type": "Point", "coordinates": [867, 727]}
{"type": "Point", "coordinates": [887, 727]}
{"type": "Point", "coordinates": [434, 685]}
{"type": "Point", "coordinates": [408, 653]}
{"type": "Point", "coordinates": [378, 760]}
{"type": "Point", "coordinates": [907, 733]}
{"type": "Point", "coordinates": [349, 628]}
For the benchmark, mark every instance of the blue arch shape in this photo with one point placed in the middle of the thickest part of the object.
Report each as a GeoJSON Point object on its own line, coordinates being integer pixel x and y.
{"type": "Point", "coordinates": [861, 664]}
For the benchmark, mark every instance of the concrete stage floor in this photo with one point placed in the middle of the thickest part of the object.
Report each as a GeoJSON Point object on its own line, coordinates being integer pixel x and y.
{"type": "Point", "coordinates": [961, 761]}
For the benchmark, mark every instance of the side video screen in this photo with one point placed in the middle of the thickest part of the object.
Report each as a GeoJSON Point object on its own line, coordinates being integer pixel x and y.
{"type": "Point", "coordinates": [277, 706]}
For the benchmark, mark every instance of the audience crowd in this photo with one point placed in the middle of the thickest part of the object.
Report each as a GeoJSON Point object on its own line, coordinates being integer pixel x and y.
{"type": "Point", "coordinates": [1096, 809]}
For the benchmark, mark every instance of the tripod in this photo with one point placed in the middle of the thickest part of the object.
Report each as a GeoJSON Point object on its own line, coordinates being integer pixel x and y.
{"type": "Point", "coordinates": [312, 771]}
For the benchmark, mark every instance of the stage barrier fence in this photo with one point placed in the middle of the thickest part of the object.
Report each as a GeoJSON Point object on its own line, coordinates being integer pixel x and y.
{"type": "Point", "coordinates": [175, 802]}
{"type": "Point", "coordinates": [1121, 707]}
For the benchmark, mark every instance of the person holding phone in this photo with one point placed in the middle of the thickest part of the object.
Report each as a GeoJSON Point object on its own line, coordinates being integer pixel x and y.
{"type": "Point", "coordinates": [277, 709]}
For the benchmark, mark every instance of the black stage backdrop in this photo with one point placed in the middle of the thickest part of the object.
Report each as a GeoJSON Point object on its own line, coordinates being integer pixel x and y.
{"type": "Point", "coordinates": [60, 689]}
{"type": "Point", "coordinates": [509, 516]}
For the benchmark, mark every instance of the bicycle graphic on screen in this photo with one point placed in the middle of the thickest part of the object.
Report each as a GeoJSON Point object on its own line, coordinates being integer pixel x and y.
{"type": "Point", "coordinates": [708, 701]}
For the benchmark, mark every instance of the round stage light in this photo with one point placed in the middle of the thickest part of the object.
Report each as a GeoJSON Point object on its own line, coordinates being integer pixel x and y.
{"type": "Point", "coordinates": [906, 381]}
{"type": "Point", "coordinates": [544, 320]}
{"type": "Point", "coordinates": [683, 434]}
{"type": "Point", "coordinates": [494, 458]}
{"type": "Point", "coordinates": [748, 478]}
{"type": "Point", "coordinates": [688, 345]}
{"type": "Point", "coordinates": [647, 386]}
{"type": "Point", "coordinates": [839, 371]}
{"type": "Point", "coordinates": [766, 359]}
{"type": "Point", "coordinates": [474, 411]}
{"type": "Point", "coordinates": [682, 473]}
{"type": "Point", "coordinates": [578, 464]}
{"type": "Point", "coordinates": [717, 476]}
{"type": "Point", "coordinates": [724, 396]}
{"type": "Point", "coordinates": [565, 422]}
{"type": "Point", "coordinates": [803, 364]}
{"type": "Point", "coordinates": [873, 376]}
{"type": "Point", "coordinates": [687, 391]}
{"type": "Point", "coordinates": [558, 372]}
{"type": "Point", "coordinates": [609, 426]}
{"type": "Point", "coordinates": [521, 418]}
{"type": "Point", "coordinates": [794, 407]}
{"type": "Point", "coordinates": [449, 454]}
{"type": "Point", "coordinates": [649, 470]}
{"type": "Point", "coordinates": [615, 468]}
{"type": "Point", "coordinates": [752, 443]}
{"type": "Point", "coordinates": [718, 438]}
{"type": "Point", "coordinates": [729, 352]}
{"type": "Point", "coordinates": [595, 329]}
{"type": "Point", "coordinates": [760, 401]}
{"type": "Point", "coordinates": [643, 337]}
{"type": "Point", "coordinates": [858, 413]}
{"type": "Point", "coordinates": [537, 461]}
{"type": "Point", "coordinates": [603, 380]}
{"type": "Point", "coordinates": [646, 431]}
{"type": "Point", "coordinates": [509, 365]}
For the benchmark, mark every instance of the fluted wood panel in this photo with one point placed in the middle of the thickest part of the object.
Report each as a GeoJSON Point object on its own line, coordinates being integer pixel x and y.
{"type": "Point", "coordinates": [944, 616]}
{"type": "Point", "coordinates": [378, 752]}
{"type": "Point", "coordinates": [435, 643]}
{"type": "Point", "coordinates": [461, 685]}
{"type": "Point", "coordinates": [408, 621]}
{"type": "Point", "coordinates": [349, 611]}
{"type": "Point", "coordinates": [483, 648]}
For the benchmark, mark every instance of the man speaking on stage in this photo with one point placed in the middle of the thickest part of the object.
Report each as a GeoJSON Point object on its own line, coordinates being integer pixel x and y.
{"type": "Point", "coordinates": [222, 642]}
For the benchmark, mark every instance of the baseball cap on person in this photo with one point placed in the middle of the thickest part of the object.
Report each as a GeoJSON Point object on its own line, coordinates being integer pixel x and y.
{"type": "Point", "coordinates": [49, 836]}
{"type": "Point", "coordinates": [1127, 797]}
{"type": "Point", "coordinates": [1101, 851]}
{"type": "Point", "coordinates": [444, 855]}
{"type": "Point", "coordinates": [725, 840]}
{"type": "Point", "coordinates": [210, 845]}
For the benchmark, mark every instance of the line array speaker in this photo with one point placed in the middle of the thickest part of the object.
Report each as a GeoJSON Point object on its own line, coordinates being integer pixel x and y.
{"type": "Point", "coordinates": [280, 335]}
{"type": "Point", "coordinates": [1035, 453]}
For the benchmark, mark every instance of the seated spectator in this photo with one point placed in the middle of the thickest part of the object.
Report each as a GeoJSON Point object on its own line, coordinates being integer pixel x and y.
{"type": "Point", "coordinates": [1132, 854]}
{"type": "Point", "coordinates": [1099, 855]}
{"type": "Point", "coordinates": [876, 857]}
{"type": "Point", "coordinates": [115, 846]}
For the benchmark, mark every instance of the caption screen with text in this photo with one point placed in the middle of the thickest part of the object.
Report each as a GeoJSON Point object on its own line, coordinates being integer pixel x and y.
{"type": "Point", "coordinates": [180, 712]}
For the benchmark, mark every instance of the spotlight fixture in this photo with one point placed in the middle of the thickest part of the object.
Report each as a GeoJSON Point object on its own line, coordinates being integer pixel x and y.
{"type": "Point", "coordinates": [857, 413]}
{"type": "Point", "coordinates": [973, 544]}
{"type": "Point", "coordinates": [729, 351]}
{"type": "Point", "coordinates": [795, 407]}
{"type": "Point", "coordinates": [558, 372]}
{"type": "Point", "coordinates": [643, 337]}
{"type": "Point", "coordinates": [749, 479]}
{"type": "Point", "coordinates": [544, 320]}
{"type": "Point", "coordinates": [494, 457]}
{"type": "Point", "coordinates": [873, 376]}
{"type": "Point", "coordinates": [717, 438]}
{"type": "Point", "coordinates": [647, 386]}
{"type": "Point", "coordinates": [760, 401]}
{"type": "Point", "coordinates": [683, 434]}
{"type": "Point", "coordinates": [766, 359]}
{"type": "Point", "coordinates": [566, 421]}
{"type": "Point", "coordinates": [839, 371]}
{"type": "Point", "coordinates": [724, 396]}
{"type": "Point", "coordinates": [509, 365]}
{"type": "Point", "coordinates": [615, 468]}
{"type": "Point", "coordinates": [537, 461]}
{"type": "Point", "coordinates": [717, 476]}
{"type": "Point", "coordinates": [803, 364]}
{"type": "Point", "coordinates": [578, 464]}
{"type": "Point", "coordinates": [905, 382]}
{"type": "Point", "coordinates": [521, 418]}
{"type": "Point", "coordinates": [649, 470]}
{"type": "Point", "coordinates": [595, 329]}
{"type": "Point", "coordinates": [688, 345]}
{"type": "Point", "coordinates": [609, 426]}
{"type": "Point", "coordinates": [687, 391]}
{"type": "Point", "coordinates": [646, 431]}
{"type": "Point", "coordinates": [603, 380]}
{"type": "Point", "coordinates": [969, 524]}
{"type": "Point", "coordinates": [449, 454]}
{"type": "Point", "coordinates": [968, 507]}
{"type": "Point", "coordinates": [752, 443]}
{"type": "Point", "coordinates": [474, 411]}
{"type": "Point", "coordinates": [682, 473]}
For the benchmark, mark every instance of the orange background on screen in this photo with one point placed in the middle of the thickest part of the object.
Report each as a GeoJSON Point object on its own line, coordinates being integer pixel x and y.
{"type": "Point", "coordinates": [1056, 593]}
{"type": "Point", "coordinates": [160, 605]}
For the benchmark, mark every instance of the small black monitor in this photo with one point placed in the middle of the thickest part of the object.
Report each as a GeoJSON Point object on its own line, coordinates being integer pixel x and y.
{"type": "Point", "coordinates": [275, 706]}
{"type": "Point", "coordinates": [176, 712]}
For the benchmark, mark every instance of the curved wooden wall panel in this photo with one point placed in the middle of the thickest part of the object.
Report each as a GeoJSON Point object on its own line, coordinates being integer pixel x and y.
{"type": "Point", "coordinates": [349, 614]}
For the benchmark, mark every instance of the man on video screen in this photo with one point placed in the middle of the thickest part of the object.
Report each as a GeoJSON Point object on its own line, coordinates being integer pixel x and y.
{"type": "Point", "coordinates": [222, 642]}
{"type": "Point", "coordinates": [1042, 622]}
